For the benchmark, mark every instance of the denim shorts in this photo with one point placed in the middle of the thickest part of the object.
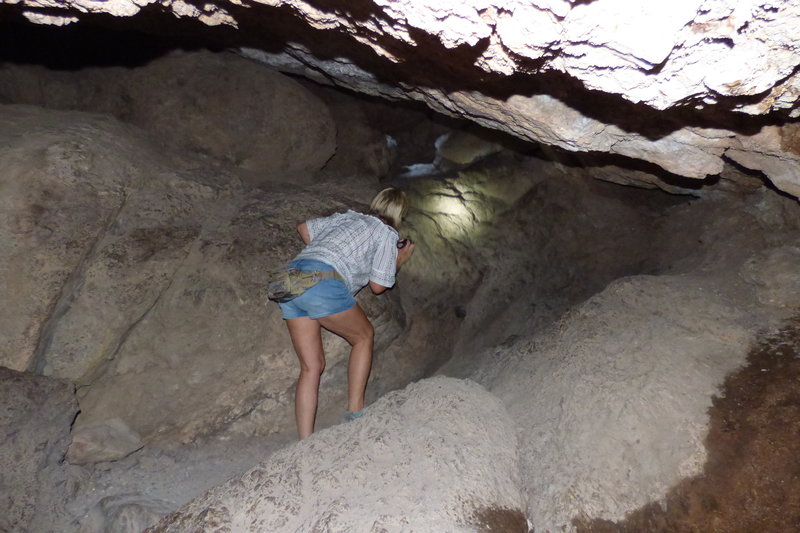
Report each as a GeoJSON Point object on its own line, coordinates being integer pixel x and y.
{"type": "Point", "coordinates": [328, 297]}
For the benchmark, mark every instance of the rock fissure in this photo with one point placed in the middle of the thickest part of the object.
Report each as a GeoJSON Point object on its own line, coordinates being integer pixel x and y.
{"type": "Point", "coordinates": [129, 329]}
{"type": "Point", "coordinates": [69, 291]}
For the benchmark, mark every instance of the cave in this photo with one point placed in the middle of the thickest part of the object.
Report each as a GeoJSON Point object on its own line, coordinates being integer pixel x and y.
{"type": "Point", "coordinates": [598, 331]}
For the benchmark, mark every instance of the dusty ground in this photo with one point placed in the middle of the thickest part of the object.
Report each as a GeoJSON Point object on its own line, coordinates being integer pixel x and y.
{"type": "Point", "coordinates": [751, 482]}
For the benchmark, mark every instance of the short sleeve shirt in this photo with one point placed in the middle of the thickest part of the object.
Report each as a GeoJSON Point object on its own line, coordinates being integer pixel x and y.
{"type": "Point", "coordinates": [362, 248]}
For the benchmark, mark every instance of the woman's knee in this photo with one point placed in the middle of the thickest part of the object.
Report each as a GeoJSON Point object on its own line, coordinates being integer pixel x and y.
{"type": "Point", "coordinates": [352, 324]}
{"type": "Point", "coordinates": [366, 333]}
{"type": "Point", "coordinates": [312, 367]}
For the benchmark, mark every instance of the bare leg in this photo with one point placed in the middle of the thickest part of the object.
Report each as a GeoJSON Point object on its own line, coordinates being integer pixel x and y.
{"type": "Point", "coordinates": [357, 330]}
{"type": "Point", "coordinates": [307, 340]}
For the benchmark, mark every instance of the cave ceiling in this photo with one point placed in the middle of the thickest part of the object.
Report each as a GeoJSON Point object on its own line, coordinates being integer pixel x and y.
{"type": "Point", "coordinates": [689, 86]}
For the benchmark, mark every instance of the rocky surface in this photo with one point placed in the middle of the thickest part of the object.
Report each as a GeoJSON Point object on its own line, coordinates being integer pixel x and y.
{"type": "Point", "coordinates": [135, 269]}
{"type": "Point", "coordinates": [35, 417]}
{"type": "Point", "coordinates": [439, 455]}
{"type": "Point", "coordinates": [104, 441]}
{"type": "Point", "coordinates": [612, 406]}
{"type": "Point", "coordinates": [672, 83]}
{"type": "Point", "coordinates": [612, 400]}
{"type": "Point", "coordinates": [219, 105]}
{"type": "Point", "coordinates": [610, 403]}
{"type": "Point", "coordinates": [125, 269]}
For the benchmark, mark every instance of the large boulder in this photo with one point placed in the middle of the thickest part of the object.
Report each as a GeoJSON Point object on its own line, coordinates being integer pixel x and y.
{"type": "Point", "coordinates": [231, 108]}
{"type": "Point", "coordinates": [218, 104]}
{"type": "Point", "coordinates": [611, 400]}
{"type": "Point", "coordinates": [437, 456]}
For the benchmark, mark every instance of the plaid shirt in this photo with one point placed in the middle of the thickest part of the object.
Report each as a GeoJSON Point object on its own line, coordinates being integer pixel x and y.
{"type": "Point", "coordinates": [362, 248]}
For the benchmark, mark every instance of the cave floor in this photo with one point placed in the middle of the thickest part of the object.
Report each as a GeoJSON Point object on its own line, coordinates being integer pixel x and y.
{"type": "Point", "coordinates": [751, 480]}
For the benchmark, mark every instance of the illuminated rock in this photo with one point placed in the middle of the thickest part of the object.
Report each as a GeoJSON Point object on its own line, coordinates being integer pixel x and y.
{"type": "Point", "coordinates": [672, 75]}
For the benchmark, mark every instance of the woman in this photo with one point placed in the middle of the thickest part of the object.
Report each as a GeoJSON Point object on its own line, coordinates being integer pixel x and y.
{"type": "Point", "coordinates": [362, 250]}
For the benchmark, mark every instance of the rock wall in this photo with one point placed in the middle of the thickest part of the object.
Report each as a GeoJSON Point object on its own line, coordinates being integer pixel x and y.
{"type": "Point", "coordinates": [612, 404]}
{"type": "Point", "coordinates": [35, 417]}
{"type": "Point", "coordinates": [219, 105]}
{"type": "Point", "coordinates": [139, 277]}
{"type": "Point", "coordinates": [612, 399]}
{"type": "Point", "coordinates": [675, 84]}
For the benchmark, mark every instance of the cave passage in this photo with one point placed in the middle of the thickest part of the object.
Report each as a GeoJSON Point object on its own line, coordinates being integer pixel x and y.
{"type": "Point", "coordinates": [588, 305]}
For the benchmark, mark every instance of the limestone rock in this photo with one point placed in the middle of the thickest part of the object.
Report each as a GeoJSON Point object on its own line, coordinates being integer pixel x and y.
{"type": "Point", "coordinates": [362, 152]}
{"type": "Point", "coordinates": [775, 151]}
{"type": "Point", "coordinates": [668, 83]}
{"type": "Point", "coordinates": [124, 513]}
{"type": "Point", "coordinates": [108, 440]}
{"type": "Point", "coordinates": [35, 417]}
{"type": "Point", "coordinates": [208, 347]}
{"type": "Point", "coordinates": [228, 107]}
{"type": "Point", "coordinates": [140, 278]}
{"type": "Point", "coordinates": [723, 55]}
{"type": "Point", "coordinates": [774, 273]}
{"type": "Point", "coordinates": [439, 455]}
{"type": "Point", "coordinates": [220, 105]}
{"type": "Point", "coordinates": [667, 56]}
{"type": "Point", "coordinates": [463, 148]}
{"type": "Point", "coordinates": [639, 51]}
{"type": "Point", "coordinates": [62, 189]}
{"type": "Point", "coordinates": [124, 274]}
{"type": "Point", "coordinates": [612, 402]}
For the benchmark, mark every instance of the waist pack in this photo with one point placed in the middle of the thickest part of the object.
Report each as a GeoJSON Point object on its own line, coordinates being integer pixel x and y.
{"type": "Point", "coordinates": [286, 284]}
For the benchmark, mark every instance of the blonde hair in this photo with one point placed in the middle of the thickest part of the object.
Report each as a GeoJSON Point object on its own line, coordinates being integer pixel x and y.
{"type": "Point", "coordinates": [391, 204]}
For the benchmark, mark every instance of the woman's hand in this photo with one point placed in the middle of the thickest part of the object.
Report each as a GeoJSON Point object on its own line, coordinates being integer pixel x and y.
{"type": "Point", "coordinates": [405, 252]}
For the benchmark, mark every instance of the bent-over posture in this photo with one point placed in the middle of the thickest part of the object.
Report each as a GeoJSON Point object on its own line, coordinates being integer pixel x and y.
{"type": "Point", "coordinates": [364, 249]}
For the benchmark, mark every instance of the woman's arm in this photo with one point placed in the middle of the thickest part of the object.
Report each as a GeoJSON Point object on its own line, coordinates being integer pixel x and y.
{"type": "Point", "coordinates": [302, 229]}
{"type": "Point", "coordinates": [402, 256]}
{"type": "Point", "coordinates": [376, 288]}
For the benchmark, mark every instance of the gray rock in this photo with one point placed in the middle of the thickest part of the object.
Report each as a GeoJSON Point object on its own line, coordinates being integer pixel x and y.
{"type": "Point", "coordinates": [108, 440]}
{"type": "Point", "coordinates": [140, 280]}
{"type": "Point", "coordinates": [462, 148]}
{"type": "Point", "coordinates": [612, 402]}
{"type": "Point", "coordinates": [774, 272]}
{"type": "Point", "coordinates": [437, 456]}
{"type": "Point", "coordinates": [35, 417]}
{"type": "Point", "coordinates": [221, 105]}
{"type": "Point", "coordinates": [61, 188]}
{"type": "Point", "coordinates": [123, 513]}
{"type": "Point", "coordinates": [231, 108]}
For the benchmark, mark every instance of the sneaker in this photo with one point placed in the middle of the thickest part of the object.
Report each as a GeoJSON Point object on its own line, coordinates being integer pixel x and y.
{"type": "Point", "coordinates": [349, 416]}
